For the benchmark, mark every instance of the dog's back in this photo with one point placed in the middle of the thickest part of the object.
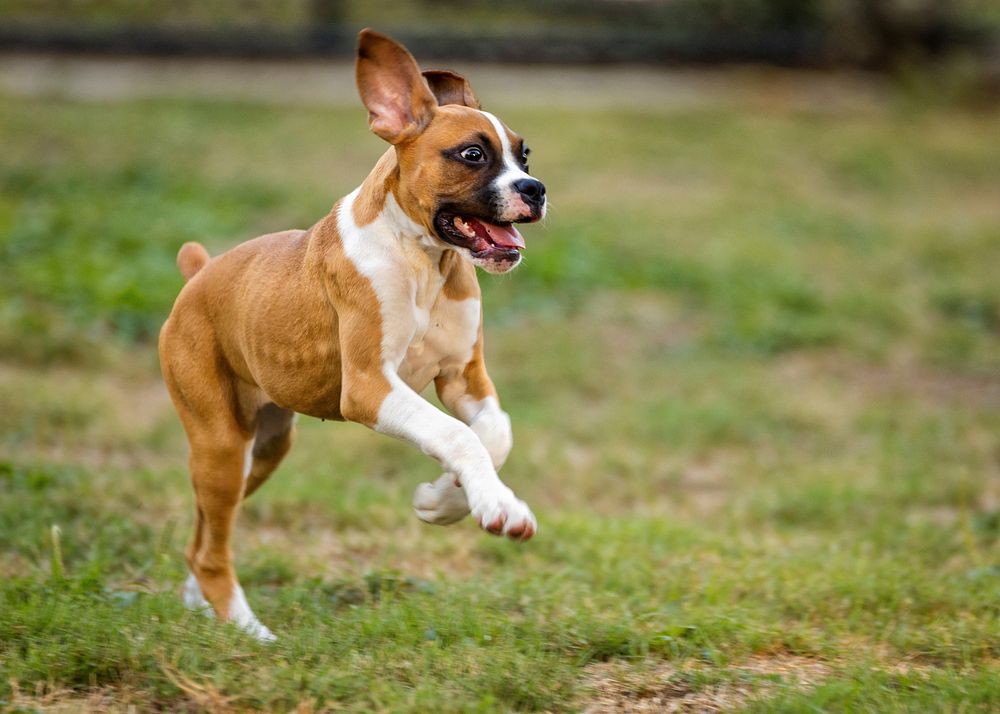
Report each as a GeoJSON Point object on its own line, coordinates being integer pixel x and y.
{"type": "Point", "coordinates": [263, 307]}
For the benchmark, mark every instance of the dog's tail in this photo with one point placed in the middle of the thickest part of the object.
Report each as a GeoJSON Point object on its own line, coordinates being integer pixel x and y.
{"type": "Point", "coordinates": [191, 258]}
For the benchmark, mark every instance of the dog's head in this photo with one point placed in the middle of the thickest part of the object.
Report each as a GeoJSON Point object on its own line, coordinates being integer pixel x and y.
{"type": "Point", "coordinates": [463, 175]}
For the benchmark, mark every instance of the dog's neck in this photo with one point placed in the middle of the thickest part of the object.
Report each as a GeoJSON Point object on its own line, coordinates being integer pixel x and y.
{"type": "Point", "coordinates": [377, 200]}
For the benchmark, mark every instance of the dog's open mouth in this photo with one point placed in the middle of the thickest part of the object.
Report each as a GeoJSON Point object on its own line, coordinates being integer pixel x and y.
{"type": "Point", "coordinates": [497, 241]}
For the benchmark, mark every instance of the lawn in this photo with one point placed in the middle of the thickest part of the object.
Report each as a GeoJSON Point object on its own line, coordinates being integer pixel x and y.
{"type": "Point", "coordinates": [753, 366]}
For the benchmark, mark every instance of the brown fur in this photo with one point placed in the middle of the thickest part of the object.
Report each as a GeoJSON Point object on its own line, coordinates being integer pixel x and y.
{"type": "Point", "coordinates": [191, 258]}
{"type": "Point", "coordinates": [383, 179]}
{"type": "Point", "coordinates": [450, 88]}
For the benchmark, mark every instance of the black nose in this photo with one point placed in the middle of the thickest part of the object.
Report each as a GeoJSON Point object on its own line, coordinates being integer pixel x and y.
{"type": "Point", "coordinates": [532, 190]}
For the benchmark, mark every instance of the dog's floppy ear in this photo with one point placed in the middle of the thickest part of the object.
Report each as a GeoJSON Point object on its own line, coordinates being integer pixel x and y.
{"type": "Point", "coordinates": [399, 102]}
{"type": "Point", "coordinates": [451, 88]}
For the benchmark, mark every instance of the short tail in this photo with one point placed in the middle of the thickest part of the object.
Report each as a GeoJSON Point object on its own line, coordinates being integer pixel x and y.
{"type": "Point", "coordinates": [191, 258]}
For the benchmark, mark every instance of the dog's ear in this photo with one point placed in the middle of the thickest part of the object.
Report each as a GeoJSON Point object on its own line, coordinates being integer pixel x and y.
{"type": "Point", "coordinates": [399, 102]}
{"type": "Point", "coordinates": [451, 88]}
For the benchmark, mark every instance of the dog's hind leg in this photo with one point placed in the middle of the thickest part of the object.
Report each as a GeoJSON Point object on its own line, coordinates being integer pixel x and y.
{"type": "Point", "coordinates": [218, 414]}
{"type": "Point", "coordinates": [272, 439]}
{"type": "Point", "coordinates": [217, 473]}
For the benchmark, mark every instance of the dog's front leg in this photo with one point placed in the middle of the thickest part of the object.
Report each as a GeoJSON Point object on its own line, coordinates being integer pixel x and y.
{"type": "Point", "coordinates": [468, 393]}
{"type": "Point", "coordinates": [400, 412]}
{"type": "Point", "coordinates": [382, 401]}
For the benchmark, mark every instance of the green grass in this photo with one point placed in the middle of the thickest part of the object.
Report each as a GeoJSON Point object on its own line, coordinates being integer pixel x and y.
{"type": "Point", "coordinates": [752, 362]}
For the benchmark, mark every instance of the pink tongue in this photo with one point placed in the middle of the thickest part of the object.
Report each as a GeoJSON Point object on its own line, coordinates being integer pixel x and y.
{"type": "Point", "coordinates": [503, 236]}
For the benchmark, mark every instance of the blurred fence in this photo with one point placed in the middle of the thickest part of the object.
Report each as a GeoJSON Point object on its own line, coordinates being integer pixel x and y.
{"type": "Point", "coordinates": [874, 33]}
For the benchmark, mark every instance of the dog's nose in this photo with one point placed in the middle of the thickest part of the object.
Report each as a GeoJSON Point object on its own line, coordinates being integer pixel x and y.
{"type": "Point", "coordinates": [532, 190]}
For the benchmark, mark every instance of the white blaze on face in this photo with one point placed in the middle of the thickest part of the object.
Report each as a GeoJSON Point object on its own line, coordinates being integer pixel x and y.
{"type": "Point", "coordinates": [512, 206]}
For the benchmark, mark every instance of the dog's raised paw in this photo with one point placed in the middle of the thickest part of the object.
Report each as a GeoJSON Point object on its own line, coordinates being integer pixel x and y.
{"type": "Point", "coordinates": [506, 515]}
{"type": "Point", "coordinates": [440, 503]}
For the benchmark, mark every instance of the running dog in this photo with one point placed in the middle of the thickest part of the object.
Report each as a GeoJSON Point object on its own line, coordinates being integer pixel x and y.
{"type": "Point", "coordinates": [354, 317]}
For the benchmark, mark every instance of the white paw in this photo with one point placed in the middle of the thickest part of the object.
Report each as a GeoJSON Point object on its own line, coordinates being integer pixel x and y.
{"type": "Point", "coordinates": [193, 599]}
{"type": "Point", "coordinates": [500, 512]}
{"type": "Point", "coordinates": [240, 613]}
{"type": "Point", "coordinates": [242, 616]}
{"type": "Point", "coordinates": [440, 503]}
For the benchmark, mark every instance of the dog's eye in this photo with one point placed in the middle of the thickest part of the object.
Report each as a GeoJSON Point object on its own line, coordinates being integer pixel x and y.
{"type": "Point", "coordinates": [524, 155]}
{"type": "Point", "coordinates": [473, 153]}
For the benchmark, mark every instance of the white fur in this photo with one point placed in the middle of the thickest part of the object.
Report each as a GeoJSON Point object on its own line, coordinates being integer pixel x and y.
{"type": "Point", "coordinates": [193, 599]}
{"type": "Point", "coordinates": [442, 502]}
{"type": "Point", "coordinates": [382, 251]}
{"type": "Point", "coordinates": [248, 459]}
{"type": "Point", "coordinates": [491, 424]}
{"type": "Point", "coordinates": [512, 206]}
{"type": "Point", "coordinates": [242, 616]}
{"type": "Point", "coordinates": [512, 170]}
{"type": "Point", "coordinates": [449, 342]}
{"type": "Point", "coordinates": [492, 265]}
{"type": "Point", "coordinates": [240, 613]}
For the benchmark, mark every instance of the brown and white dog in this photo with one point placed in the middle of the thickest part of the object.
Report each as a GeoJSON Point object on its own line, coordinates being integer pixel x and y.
{"type": "Point", "coordinates": [354, 317]}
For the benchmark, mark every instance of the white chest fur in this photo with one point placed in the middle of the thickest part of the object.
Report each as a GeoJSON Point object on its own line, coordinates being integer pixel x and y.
{"type": "Point", "coordinates": [444, 338]}
{"type": "Point", "coordinates": [423, 330]}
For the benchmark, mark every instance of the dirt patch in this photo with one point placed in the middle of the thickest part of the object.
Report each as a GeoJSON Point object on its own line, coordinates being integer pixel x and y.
{"type": "Point", "coordinates": [617, 687]}
{"type": "Point", "coordinates": [902, 378]}
{"type": "Point", "coordinates": [66, 701]}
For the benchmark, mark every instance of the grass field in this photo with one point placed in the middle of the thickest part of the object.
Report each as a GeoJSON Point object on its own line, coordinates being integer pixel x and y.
{"type": "Point", "coordinates": [753, 365]}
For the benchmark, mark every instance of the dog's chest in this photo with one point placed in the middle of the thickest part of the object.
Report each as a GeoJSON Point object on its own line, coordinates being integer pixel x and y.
{"type": "Point", "coordinates": [444, 335]}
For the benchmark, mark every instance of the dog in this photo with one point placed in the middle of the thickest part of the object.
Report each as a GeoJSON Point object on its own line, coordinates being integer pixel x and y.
{"type": "Point", "coordinates": [354, 317]}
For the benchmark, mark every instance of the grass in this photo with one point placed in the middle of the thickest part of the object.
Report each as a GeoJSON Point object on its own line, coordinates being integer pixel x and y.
{"type": "Point", "coordinates": [752, 364]}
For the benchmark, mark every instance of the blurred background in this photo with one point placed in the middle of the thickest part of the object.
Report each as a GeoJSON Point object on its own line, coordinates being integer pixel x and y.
{"type": "Point", "coordinates": [869, 33]}
{"type": "Point", "coordinates": [752, 358]}
{"type": "Point", "coordinates": [849, 58]}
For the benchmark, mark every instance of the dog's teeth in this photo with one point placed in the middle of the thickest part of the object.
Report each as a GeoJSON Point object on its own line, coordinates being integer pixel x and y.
{"type": "Point", "coordinates": [464, 227]}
